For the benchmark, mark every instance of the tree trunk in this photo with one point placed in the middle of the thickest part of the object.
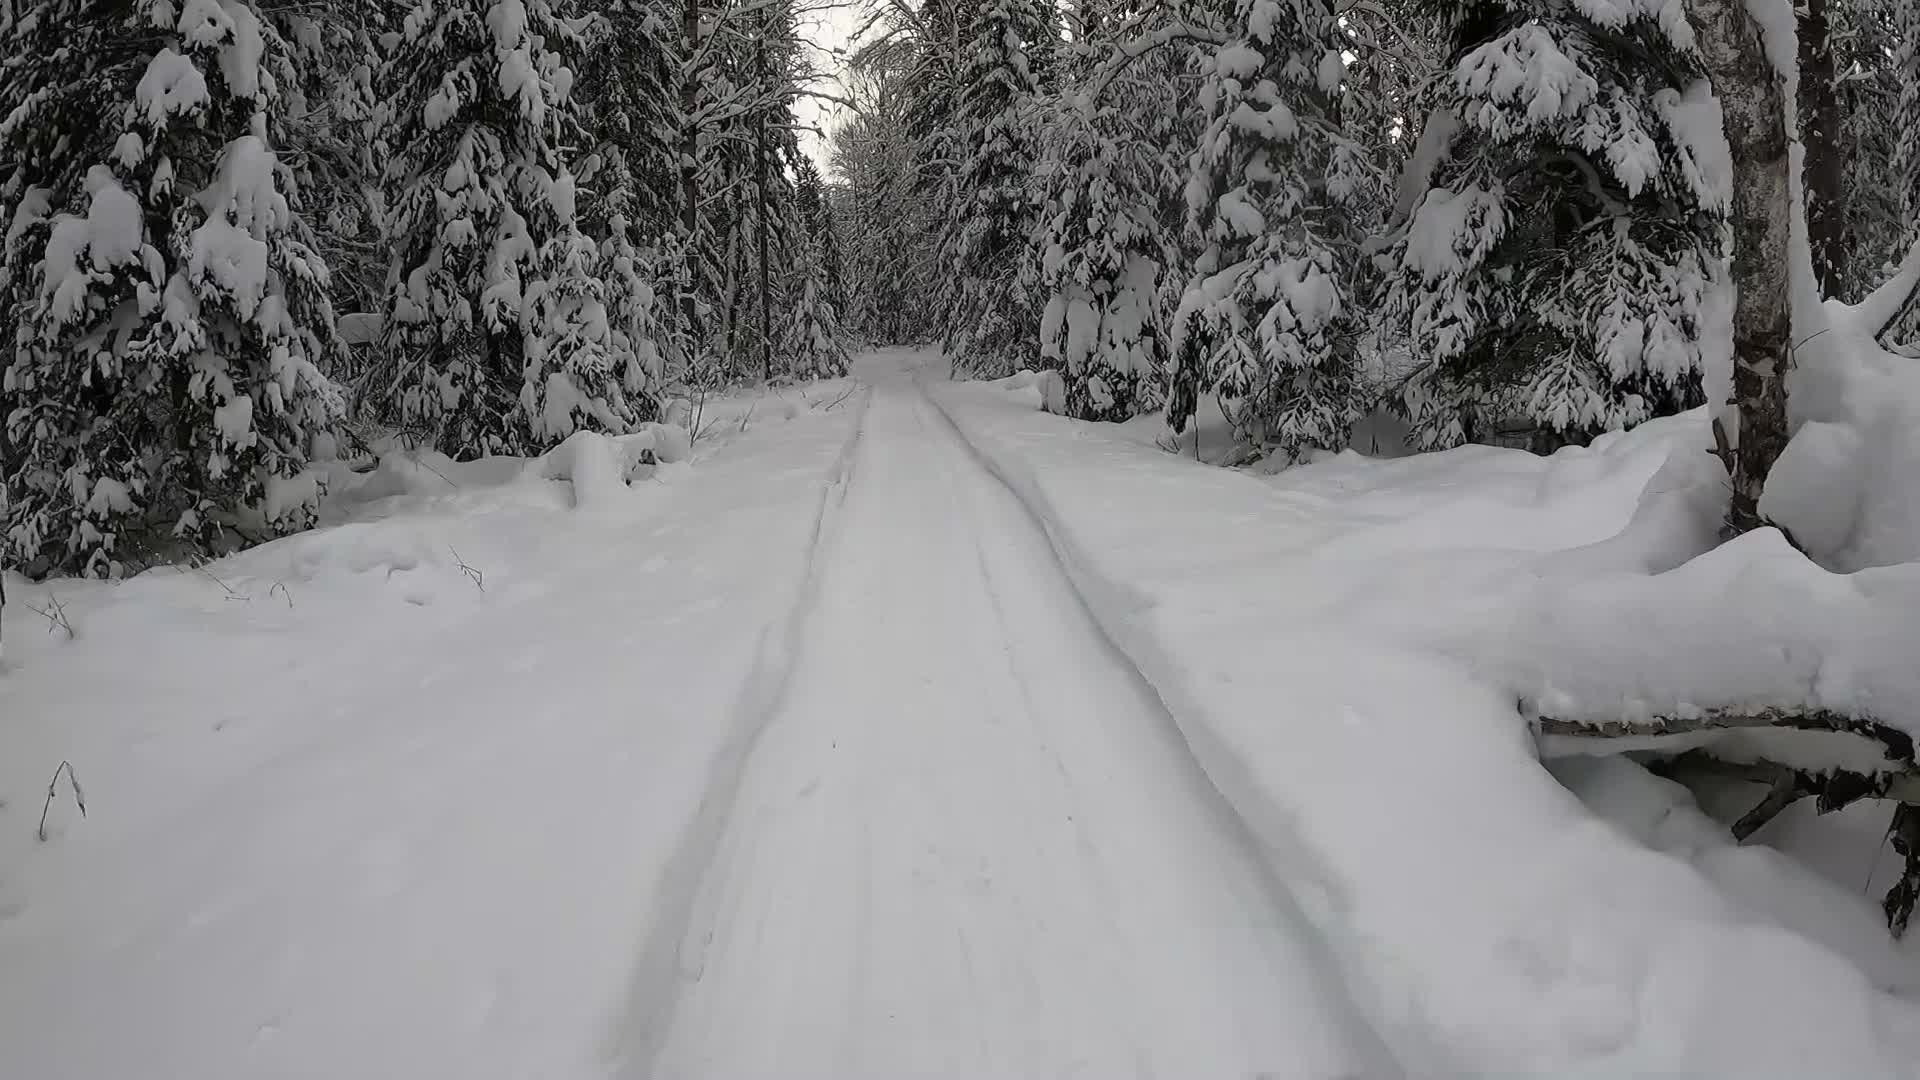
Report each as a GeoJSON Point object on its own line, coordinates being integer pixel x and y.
{"type": "Point", "coordinates": [689, 169]}
{"type": "Point", "coordinates": [1906, 158]}
{"type": "Point", "coordinates": [760, 184]}
{"type": "Point", "coordinates": [1750, 94]}
{"type": "Point", "coordinates": [1826, 165]}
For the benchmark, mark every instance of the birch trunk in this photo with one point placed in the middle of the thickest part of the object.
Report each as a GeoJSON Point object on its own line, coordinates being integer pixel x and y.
{"type": "Point", "coordinates": [1749, 90]}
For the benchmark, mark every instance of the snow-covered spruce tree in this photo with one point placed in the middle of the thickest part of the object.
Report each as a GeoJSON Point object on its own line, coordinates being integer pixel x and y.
{"type": "Point", "coordinates": [1274, 195]}
{"type": "Point", "coordinates": [496, 322]}
{"type": "Point", "coordinates": [329, 110]}
{"type": "Point", "coordinates": [812, 347]}
{"type": "Point", "coordinates": [1116, 142]}
{"type": "Point", "coordinates": [630, 200]}
{"type": "Point", "coordinates": [815, 210]}
{"type": "Point", "coordinates": [1555, 268]}
{"type": "Point", "coordinates": [812, 344]}
{"type": "Point", "coordinates": [169, 317]}
{"type": "Point", "coordinates": [890, 217]}
{"type": "Point", "coordinates": [1863, 38]}
{"type": "Point", "coordinates": [992, 320]}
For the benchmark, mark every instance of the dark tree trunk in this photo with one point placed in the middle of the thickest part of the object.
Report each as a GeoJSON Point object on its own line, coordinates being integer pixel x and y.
{"type": "Point", "coordinates": [689, 168]}
{"type": "Point", "coordinates": [1749, 92]}
{"type": "Point", "coordinates": [760, 184]}
{"type": "Point", "coordinates": [1826, 164]}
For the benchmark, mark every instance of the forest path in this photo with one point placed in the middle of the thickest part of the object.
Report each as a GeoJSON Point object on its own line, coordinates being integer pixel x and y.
{"type": "Point", "coordinates": [970, 840]}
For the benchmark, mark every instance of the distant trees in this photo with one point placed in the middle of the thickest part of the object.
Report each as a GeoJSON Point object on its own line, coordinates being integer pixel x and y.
{"type": "Point", "coordinates": [552, 208]}
{"type": "Point", "coordinates": [1492, 217]}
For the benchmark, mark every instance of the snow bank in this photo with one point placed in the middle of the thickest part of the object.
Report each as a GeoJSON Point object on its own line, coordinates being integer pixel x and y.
{"type": "Point", "coordinates": [1345, 647]}
{"type": "Point", "coordinates": [1845, 485]}
{"type": "Point", "coordinates": [599, 468]}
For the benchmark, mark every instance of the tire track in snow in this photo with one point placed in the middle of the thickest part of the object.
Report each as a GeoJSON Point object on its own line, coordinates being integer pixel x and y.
{"type": "Point", "coordinates": [673, 913]}
{"type": "Point", "coordinates": [974, 844]}
{"type": "Point", "coordinates": [1204, 761]}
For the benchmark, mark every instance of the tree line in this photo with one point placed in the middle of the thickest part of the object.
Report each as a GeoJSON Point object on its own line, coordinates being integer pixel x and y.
{"type": "Point", "coordinates": [544, 216]}
{"type": "Point", "coordinates": [1495, 218]}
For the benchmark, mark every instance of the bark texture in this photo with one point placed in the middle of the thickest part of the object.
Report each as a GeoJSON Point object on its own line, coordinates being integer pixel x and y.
{"type": "Point", "coordinates": [1750, 93]}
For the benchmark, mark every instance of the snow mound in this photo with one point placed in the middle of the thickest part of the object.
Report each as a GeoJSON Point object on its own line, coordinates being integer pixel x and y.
{"type": "Point", "coordinates": [1346, 647]}
{"type": "Point", "coordinates": [1845, 487]}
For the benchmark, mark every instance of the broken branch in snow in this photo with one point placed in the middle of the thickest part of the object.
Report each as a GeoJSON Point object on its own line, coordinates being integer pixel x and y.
{"type": "Point", "coordinates": [1832, 789]}
{"type": "Point", "coordinates": [79, 796]}
{"type": "Point", "coordinates": [1894, 744]}
{"type": "Point", "coordinates": [232, 594]}
{"type": "Point", "coordinates": [479, 580]}
{"type": "Point", "coordinates": [56, 615]}
{"type": "Point", "coordinates": [1905, 831]}
{"type": "Point", "coordinates": [1833, 786]}
{"type": "Point", "coordinates": [831, 405]}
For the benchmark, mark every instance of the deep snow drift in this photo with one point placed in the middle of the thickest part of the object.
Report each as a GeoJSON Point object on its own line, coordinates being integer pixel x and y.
{"type": "Point", "coordinates": [1349, 646]}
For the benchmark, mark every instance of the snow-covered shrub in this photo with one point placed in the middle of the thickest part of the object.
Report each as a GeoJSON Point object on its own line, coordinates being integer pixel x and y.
{"type": "Point", "coordinates": [1560, 262]}
{"type": "Point", "coordinates": [169, 316]}
{"type": "Point", "coordinates": [1276, 194]}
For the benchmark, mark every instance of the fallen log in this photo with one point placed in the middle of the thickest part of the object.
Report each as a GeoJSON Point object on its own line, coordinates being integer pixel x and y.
{"type": "Point", "coordinates": [1687, 743]}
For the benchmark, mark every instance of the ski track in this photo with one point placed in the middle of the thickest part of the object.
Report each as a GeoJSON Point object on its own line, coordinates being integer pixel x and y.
{"type": "Point", "coordinates": [656, 972]}
{"type": "Point", "coordinates": [968, 840]}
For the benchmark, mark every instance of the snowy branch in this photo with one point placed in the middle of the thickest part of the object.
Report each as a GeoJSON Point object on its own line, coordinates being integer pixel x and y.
{"type": "Point", "coordinates": [1883, 308]}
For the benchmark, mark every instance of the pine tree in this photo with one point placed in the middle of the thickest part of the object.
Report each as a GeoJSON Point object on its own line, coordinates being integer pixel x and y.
{"type": "Point", "coordinates": [812, 347]}
{"type": "Point", "coordinates": [330, 112]}
{"type": "Point", "coordinates": [171, 323]}
{"type": "Point", "coordinates": [1274, 194]}
{"type": "Point", "coordinates": [812, 344]}
{"type": "Point", "coordinates": [891, 210]}
{"type": "Point", "coordinates": [1556, 267]}
{"type": "Point", "coordinates": [1116, 140]}
{"type": "Point", "coordinates": [993, 320]}
{"type": "Point", "coordinates": [491, 291]}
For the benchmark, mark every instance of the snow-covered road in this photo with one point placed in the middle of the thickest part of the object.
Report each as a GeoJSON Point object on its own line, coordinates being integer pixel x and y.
{"type": "Point", "coordinates": [805, 760]}
{"type": "Point", "coordinates": [970, 841]}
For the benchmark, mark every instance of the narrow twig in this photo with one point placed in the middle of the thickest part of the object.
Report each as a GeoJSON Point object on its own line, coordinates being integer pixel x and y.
{"type": "Point", "coordinates": [1874, 866]}
{"type": "Point", "coordinates": [79, 796]}
{"type": "Point", "coordinates": [281, 588]}
{"type": "Point", "coordinates": [56, 615]}
{"type": "Point", "coordinates": [829, 407]}
{"type": "Point", "coordinates": [479, 579]}
{"type": "Point", "coordinates": [232, 593]}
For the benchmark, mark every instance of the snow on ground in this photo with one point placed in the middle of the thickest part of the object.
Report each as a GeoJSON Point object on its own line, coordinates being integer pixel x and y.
{"type": "Point", "coordinates": [1347, 646]}
{"type": "Point", "coordinates": [418, 794]}
{"type": "Point", "coordinates": [894, 734]}
{"type": "Point", "coordinates": [971, 842]}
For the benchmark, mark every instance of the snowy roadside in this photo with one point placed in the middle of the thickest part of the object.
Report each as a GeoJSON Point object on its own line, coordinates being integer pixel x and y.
{"type": "Point", "coordinates": [1323, 638]}
{"type": "Point", "coordinates": [390, 797]}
